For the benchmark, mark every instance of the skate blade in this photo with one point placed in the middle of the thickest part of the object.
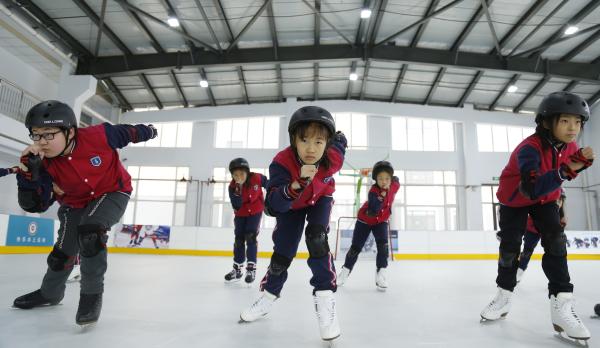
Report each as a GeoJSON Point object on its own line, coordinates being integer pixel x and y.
{"type": "Point", "coordinates": [575, 342]}
{"type": "Point", "coordinates": [486, 320]}
{"type": "Point", "coordinates": [87, 326]}
{"type": "Point", "coordinates": [379, 288]}
{"type": "Point", "coordinates": [233, 281]}
{"type": "Point", "coordinates": [595, 317]}
{"type": "Point", "coordinates": [330, 342]}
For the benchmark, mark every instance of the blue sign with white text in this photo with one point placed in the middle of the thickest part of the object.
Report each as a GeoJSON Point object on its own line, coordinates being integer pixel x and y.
{"type": "Point", "coordinates": [29, 231]}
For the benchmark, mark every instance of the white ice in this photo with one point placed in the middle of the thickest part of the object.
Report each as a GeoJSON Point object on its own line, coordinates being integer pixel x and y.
{"type": "Point", "coordinates": [182, 301]}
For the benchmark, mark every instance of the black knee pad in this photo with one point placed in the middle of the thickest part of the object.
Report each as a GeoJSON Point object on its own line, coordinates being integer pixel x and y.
{"type": "Point", "coordinates": [354, 251]}
{"type": "Point", "coordinates": [383, 247]}
{"type": "Point", "coordinates": [59, 261]}
{"type": "Point", "coordinates": [507, 259]}
{"type": "Point", "coordinates": [92, 239]}
{"type": "Point", "coordinates": [279, 264]}
{"type": "Point", "coordinates": [316, 240]}
{"type": "Point", "coordinates": [239, 242]}
{"type": "Point", "coordinates": [251, 238]}
{"type": "Point", "coordinates": [556, 245]}
{"type": "Point", "coordinates": [526, 254]}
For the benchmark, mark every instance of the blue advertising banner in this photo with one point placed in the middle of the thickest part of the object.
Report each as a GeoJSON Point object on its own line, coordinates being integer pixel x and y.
{"type": "Point", "coordinates": [29, 231]}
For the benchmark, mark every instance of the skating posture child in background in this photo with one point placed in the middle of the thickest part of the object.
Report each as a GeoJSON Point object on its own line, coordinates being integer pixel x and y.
{"type": "Point", "coordinates": [530, 185]}
{"type": "Point", "coordinates": [532, 237]}
{"type": "Point", "coordinates": [300, 189]}
{"type": "Point", "coordinates": [374, 217]}
{"type": "Point", "coordinates": [85, 165]}
{"type": "Point", "coordinates": [246, 196]}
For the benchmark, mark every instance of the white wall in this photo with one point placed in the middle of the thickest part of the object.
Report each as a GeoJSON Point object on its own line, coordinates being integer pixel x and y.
{"type": "Point", "coordinates": [27, 78]}
{"type": "Point", "coordinates": [473, 168]}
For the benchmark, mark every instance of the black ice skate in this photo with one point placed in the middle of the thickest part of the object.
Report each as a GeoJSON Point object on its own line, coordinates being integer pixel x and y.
{"type": "Point", "coordinates": [89, 309]}
{"type": "Point", "coordinates": [235, 274]}
{"type": "Point", "coordinates": [34, 299]}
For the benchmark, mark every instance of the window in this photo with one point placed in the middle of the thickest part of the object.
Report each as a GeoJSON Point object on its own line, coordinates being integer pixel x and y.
{"type": "Point", "coordinates": [222, 212]}
{"type": "Point", "coordinates": [426, 201]}
{"type": "Point", "coordinates": [489, 207]}
{"type": "Point", "coordinates": [496, 138]}
{"type": "Point", "coordinates": [346, 205]}
{"type": "Point", "coordinates": [247, 133]}
{"type": "Point", "coordinates": [158, 197]}
{"type": "Point", "coordinates": [170, 135]}
{"type": "Point", "coordinates": [414, 134]}
{"type": "Point", "coordinates": [354, 127]}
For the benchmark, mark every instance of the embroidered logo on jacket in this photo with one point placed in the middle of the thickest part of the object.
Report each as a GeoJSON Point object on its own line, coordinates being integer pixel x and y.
{"type": "Point", "coordinates": [96, 161]}
{"type": "Point", "coordinates": [255, 187]}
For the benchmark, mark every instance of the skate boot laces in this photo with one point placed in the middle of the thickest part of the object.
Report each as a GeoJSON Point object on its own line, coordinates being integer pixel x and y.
{"type": "Point", "coordinates": [567, 312]}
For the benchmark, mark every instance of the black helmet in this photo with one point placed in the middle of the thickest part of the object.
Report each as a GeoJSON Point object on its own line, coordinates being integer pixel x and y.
{"type": "Point", "coordinates": [51, 113]}
{"type": "Point", "coordinates": [382, 166]}
{"type": "Point", "coordinates": [562, 103]}
{"type": "Point", "coordinates": [238, 163]}
{"type": "Point", "coordinates": [311, 114]}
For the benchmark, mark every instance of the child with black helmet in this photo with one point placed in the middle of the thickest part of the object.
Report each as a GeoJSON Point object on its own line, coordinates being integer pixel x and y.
{"type": "Point", "coordinates": [85, 165]}
{"type": "Point", "coordinates": [374, 217]}
{"type": "Point", "coordinates": [246, 196]}
{"type": "Point", "coordinates": [300, 189]}
{"type": "Point", "coordinates": [530, 185]}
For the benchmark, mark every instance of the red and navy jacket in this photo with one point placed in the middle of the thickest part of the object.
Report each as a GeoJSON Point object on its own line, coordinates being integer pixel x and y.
{"type": "Point", "coordinates": [533, 174]}
{"type": "Point", "coordinates": [247, 199]}
{"type": "Point", "coordinates": [285, 169]}
{"type": "Point", "coordinates": [92, 169]}
{"type": "Point", "coordinates": [377, 209]}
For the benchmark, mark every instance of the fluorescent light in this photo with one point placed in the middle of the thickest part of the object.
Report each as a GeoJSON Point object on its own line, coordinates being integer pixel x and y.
{"type": "Point", "coordinates": [512, 88]}
{"type": "Point", "coordinates": [365, 13]}
{"type": "Point", "coordinates": [173, 22]}
{"type": "Point", "coordinates": [353, 76]}
{"type": "Point", "coordinates": [203, 83]}
{"type": "Point", "coordinates": [571, 30]}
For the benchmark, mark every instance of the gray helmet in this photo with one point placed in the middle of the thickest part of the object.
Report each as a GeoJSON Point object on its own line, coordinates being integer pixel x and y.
{"type": "Point", "coordinates": [562, 103]}
{"type": "Point", "coordinates": [311, 114]}
{"type": "Point", "coordinates": [238, 163]}
{"type": "Point", "coordinates": [51, 113]}
{"type": "Point", "coordinates": [382, 166]}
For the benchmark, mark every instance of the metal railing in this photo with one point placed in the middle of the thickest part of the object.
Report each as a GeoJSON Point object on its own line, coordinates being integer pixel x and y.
{"type": "Point", "coordinates": [14, 101]}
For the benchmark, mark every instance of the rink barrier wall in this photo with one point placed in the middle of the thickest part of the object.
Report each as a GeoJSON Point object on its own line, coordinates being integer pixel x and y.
{"type": "Point", "coordinates": [412, 245]}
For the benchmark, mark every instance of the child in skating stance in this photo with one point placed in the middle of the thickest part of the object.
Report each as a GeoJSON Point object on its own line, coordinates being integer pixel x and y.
{"type": "Point", "coordinates": [246, 196]}
{"type": "Point", "coordinates": [374, 217]}
{"type": "Point", "coordinates": [530, 185]}
{"type": "Point", "coordinates": [300, 189]}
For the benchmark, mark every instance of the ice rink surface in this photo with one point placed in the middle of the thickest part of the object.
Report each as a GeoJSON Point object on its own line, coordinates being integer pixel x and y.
{"type": "Point", "coordinates": [182, 301]}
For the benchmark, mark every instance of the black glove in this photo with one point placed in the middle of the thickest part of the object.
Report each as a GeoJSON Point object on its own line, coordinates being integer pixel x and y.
{"type": "Point", "coordinates": [341, 138]}
{"type": "Point", "coordinates": [154, 131]}
{"type": "Point", "coordinates": [33, 164]}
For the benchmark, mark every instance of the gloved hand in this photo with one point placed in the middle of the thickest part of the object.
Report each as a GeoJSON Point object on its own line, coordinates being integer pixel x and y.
{"type": "Point", "coordinates": [341, 138]}
{"type": "Point", "coordinates": [154, 131]}
{"type": "Point", "coordinates": [30, 167]}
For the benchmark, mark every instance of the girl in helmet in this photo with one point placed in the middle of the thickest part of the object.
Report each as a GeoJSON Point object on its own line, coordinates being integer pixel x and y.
{"type": "Point", "coordinates": [246, 196]}
{"type": "Point", "coordinates": [532, 237]}
{"type": "Point", "coordinates": [85, 165]}
{"type": "Point", "coordinates": [374, 216]}
{"type": "Point", "coordinates": [300, 189]}
{"type": "Point", "coordinates": [530, 185]}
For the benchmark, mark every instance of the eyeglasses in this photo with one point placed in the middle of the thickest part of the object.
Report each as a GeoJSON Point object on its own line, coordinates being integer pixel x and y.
{"type": "Point", "coordinates": [46, 136]}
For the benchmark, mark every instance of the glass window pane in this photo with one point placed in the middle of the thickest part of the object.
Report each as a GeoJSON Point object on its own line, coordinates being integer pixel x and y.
{"type": "Point", "coordinates": [488, 217]}
{"type": "Point", "coordinates": [450, 178]}
{"type": "Point", "coordinates": [425, 218]}
{"type": "Point", "coordinates": [223, 134]}
{"type": "Point", "coordinates": [184, 134]}
{"type": "Point", "coordinates": [515, 136]}
{"type": "Point", "coordinates": [446, 135]}
{"type": "Point", "coordinates": [452, 219]}
{"type": "Point", "coordinates": [438, 177]}
{"type": "Point", "coordinates": [218, 191]}
{"type": "Point", "coordinates": [128, 216]}
{"type": "Point", "coordinates": [430, 135]}
{"type": "Point", "coordinates": [486, 194]}
{"type": "Point", "coordinates": [343, 122]}
{"type": "Point", "coordinates": [154, 213]}
{"type": "Point", "coordinates": [179, 219]}
{"type": "Point", "coordinates": [219, 173]}
{"type": "Point", "coordinates": [420, 177]}
{"type": "Point", "coordinates": [415, 134]}
{"type": "Point", "coordinates": [451, 195]}
{"type": "Point", "coordinates": [183, 172]}
{"type": "Point", "coordinates": [217, 214]}
{"type": "Point", "coordinates": [255, 133]}
{"type": "Point", "coordinates": [359, 130]}
{"type": "Point", "coordinates": [134, 171]}
{"type": "Point", "coordinates": [500, 139]}
{"type": "Point", "coordinates": [399, 134]}
{"type": "Point", "coordinates": [484, 138]}
{"type": "Point", "coordinates": [239, 133]}
{"type": "Point", "coordinates": [168, 136]}
{"type": "Point", "coordinates": [181, 191]}
{"type": "Point", "coordinates": [271, 133]}
{"type": "Point", "coordinates": [155, 190]}
{"type": "Point", "coordinates": [158, 173]}
{"type": "Point", "coordinates": [424, 195]}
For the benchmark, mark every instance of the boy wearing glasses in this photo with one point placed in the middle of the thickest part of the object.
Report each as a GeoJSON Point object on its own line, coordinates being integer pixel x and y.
{"type": "Point", "coordinates": [85, 164]}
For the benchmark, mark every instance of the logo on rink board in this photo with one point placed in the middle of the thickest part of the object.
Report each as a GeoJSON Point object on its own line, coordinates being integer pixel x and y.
{"type": "Point", "coordinates": [96, 161]}
{"type": "Point", "coordinates": [29, 231]}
